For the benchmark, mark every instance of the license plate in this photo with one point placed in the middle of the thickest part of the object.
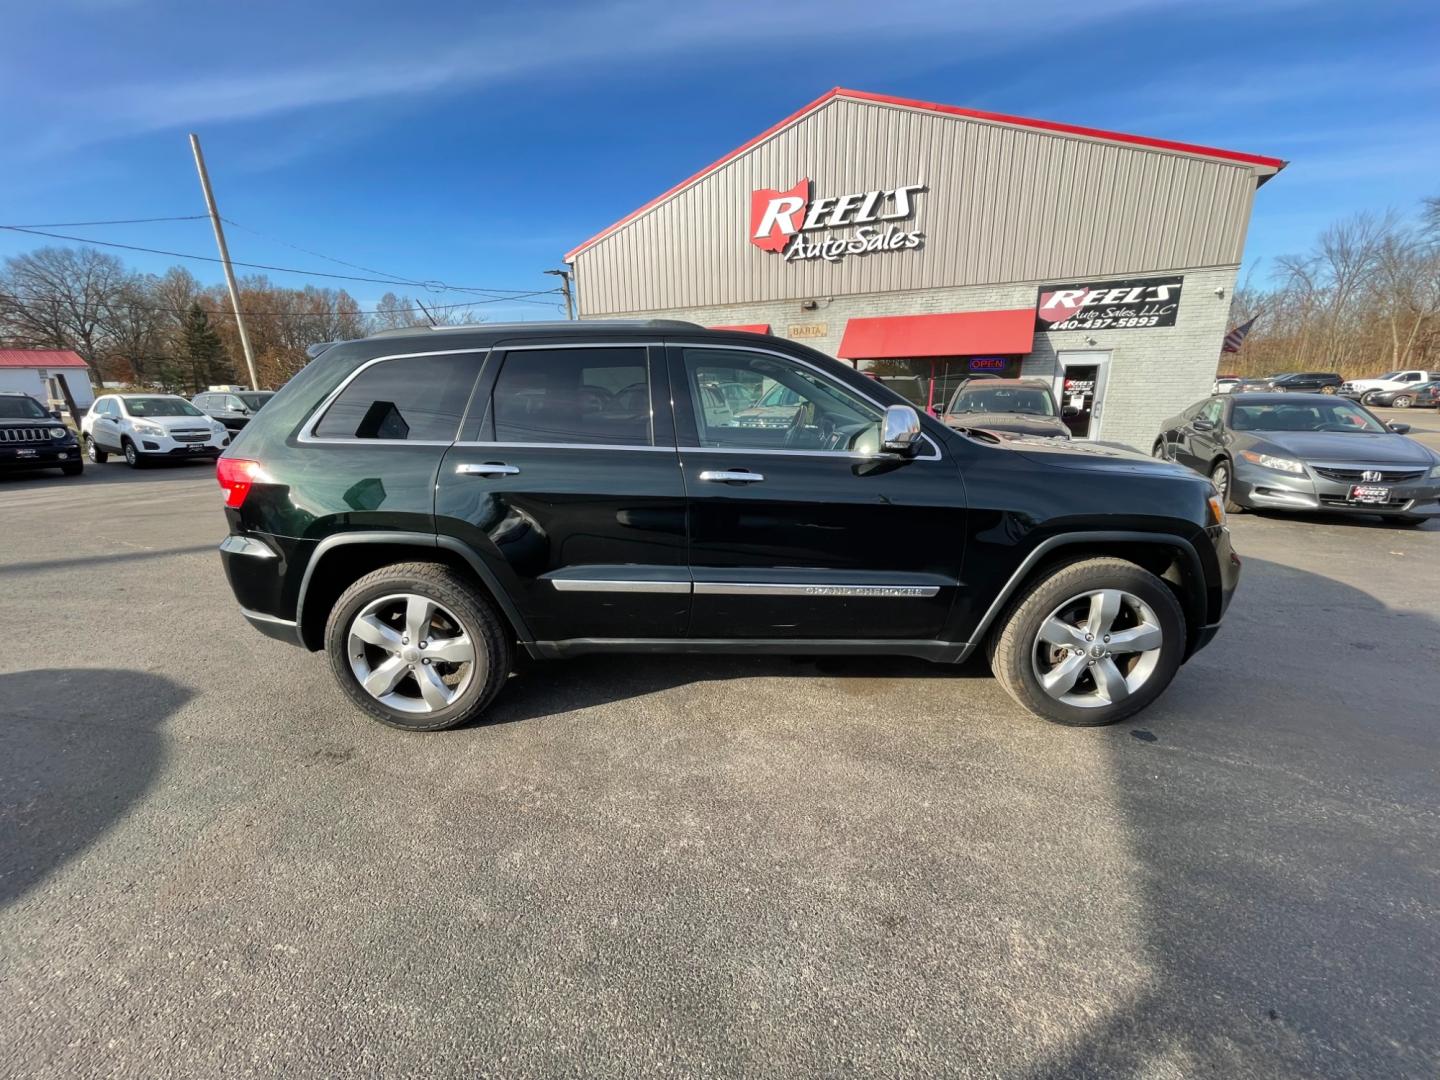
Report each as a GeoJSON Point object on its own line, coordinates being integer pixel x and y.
{"type": "Point", "coordinates": [196, 449]}
{"type": "Point", "coordinates": [1369, 493]}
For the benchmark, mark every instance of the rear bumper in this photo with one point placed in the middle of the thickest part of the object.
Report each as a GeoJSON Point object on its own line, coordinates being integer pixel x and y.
{"type": "Point", "coordinates": [259, 569]}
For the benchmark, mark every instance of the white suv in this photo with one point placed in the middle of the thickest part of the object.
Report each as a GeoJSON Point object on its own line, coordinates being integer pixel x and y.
{"type": "Point", "coordinates": [1391, 380]}
{"type": "Point", "coordinates": [150, 426]}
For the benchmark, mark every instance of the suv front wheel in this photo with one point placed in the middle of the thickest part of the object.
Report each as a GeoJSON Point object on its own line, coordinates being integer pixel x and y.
{"type": "Point", "coordinates": [1092, 643]}
{"type": "Point", "coordinates": [418, 647]}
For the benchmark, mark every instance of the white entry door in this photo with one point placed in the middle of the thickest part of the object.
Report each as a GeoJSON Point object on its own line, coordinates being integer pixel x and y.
{"type": "Point", "coordinates": [1080, 391]}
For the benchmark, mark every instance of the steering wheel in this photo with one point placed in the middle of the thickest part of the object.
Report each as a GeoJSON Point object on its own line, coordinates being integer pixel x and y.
{"type": "Point", "coordinates": [804, 420]}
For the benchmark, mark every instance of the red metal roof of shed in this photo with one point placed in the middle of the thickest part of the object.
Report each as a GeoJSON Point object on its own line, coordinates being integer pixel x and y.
{"type": "Point", "coordinates": [40, 358]}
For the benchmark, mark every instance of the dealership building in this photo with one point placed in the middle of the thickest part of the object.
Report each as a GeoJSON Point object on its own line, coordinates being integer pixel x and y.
{"type": "Point", "coordinates": [927, 242]}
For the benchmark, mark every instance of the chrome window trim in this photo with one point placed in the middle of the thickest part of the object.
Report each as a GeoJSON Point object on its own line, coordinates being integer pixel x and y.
{"type": "Point", "coordinates": [307, 430]}
{"type": "Point", "coordinates": [714, 347]}
{"type": "Point", "coordinates": [564, 446]}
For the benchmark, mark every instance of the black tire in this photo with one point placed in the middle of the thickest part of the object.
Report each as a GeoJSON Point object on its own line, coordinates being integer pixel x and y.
{"type": "Point", "coordinates": [75, 468]}
{"type": "Point", "coordinates": [472, 609]}
{"type": "Point", "coordinates": [133, 457]}
{"type": "Point", "coordinates": [1226, 484]}
{"type": "Point", "coordinates": [1158, 450]}
{"type": "Point", "coordinates": [93, 451]}
{"type": "Point", "coordinates": [1015, 638]}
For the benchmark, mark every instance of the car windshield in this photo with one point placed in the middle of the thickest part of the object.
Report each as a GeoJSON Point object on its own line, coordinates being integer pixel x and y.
{"type": "Point", "coordinates": [1323, 416]}
{"type": "Point", "coordinates": [254, 401]}
{"type": "Point", "coordinates": [1032, 401]}
{"type": "Point", "coordinates": [160, 406]}
{"type": "Point", "coordinates": [21, 408]}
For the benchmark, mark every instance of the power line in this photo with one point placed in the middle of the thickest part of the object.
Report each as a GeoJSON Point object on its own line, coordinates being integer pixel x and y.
{"type": "Point", "coordinates": [113, 221]}
{"type": "Point", "coordinates": [256, 266]}
{"type": "Point", "coordinates": [226, 312]}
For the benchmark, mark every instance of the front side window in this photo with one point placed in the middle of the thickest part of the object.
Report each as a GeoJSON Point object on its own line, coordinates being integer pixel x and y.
{"type": "Point", "coordinates": [410, 399]}
{"type": "Point", "coordinates": [254, 401]}
{"type": "Point", "coordinates": [598, 396]}
{"type": "Point", "coordinates": [21, 408]}
{"type": "Point", "coordinates": [1212, 410]}
{"type": "Point", "coordinates": [780, 404]}
{"type": "Point", "coordinates": [160, 406]}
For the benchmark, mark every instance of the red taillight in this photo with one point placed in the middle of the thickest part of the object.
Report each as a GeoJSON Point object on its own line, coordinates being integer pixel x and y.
{"type": "Point", "coordinates": [235, 476]}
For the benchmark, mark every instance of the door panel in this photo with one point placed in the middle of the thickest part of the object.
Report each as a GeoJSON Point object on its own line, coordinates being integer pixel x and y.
{"type": "Point", "coordinates": [825, 544]}
{"type": "Point", "coordinates": [588, 537]}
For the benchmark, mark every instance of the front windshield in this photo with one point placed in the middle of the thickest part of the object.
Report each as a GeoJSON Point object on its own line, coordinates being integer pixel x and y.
{"type": "Point", "coordinates": [1324, 416]}
{"type": "Point", "coordinates": [160, 406]}
{"type": "Point", "coordinates": [21, 408]}
{"type": "Point", "coordinates": [1031, 401]}
{"type": "Point", "coordinates": [254, 401]}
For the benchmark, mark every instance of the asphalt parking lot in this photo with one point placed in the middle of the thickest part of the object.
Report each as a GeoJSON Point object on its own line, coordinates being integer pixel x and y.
{"type": "Point", "coordinates": [210, 864]}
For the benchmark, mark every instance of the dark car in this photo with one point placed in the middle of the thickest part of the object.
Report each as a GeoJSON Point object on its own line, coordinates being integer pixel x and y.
{"type": "Point", "coordinates": [233, 408]}
{"type": "Point", "coordinates": [1305, 452]}
{"type": "Point", "coordinates": [1022, 406]}
{"type": "Point", "coordinates": [1297, 382]}
{"type": "Point", "coordinates": [1421, 396]}
{"type": "Point", "coordinates": [419, 502]}
{"type": "Point", "coordinates": [33, 437]}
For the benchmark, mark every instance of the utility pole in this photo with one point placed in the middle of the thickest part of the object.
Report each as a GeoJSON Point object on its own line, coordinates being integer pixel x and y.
{"type": "Point", "coordinates": [564, 276]}
{"type": "Point", "coordinates": [225, 260]}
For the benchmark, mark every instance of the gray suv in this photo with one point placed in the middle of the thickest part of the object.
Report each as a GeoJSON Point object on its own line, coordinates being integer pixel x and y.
{"type": "Point", "coordinates": [232, 408]}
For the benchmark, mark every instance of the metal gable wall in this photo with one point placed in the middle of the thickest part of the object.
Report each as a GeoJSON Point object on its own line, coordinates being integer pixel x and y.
{"type": "Point", "coordinates": [1004, 204]}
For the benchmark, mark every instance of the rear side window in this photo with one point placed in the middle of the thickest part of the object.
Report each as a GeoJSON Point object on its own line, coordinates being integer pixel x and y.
{"type": "Point", "coordinates": [412, 399]}
{"type": "Point", "coordinates": [594, 396]}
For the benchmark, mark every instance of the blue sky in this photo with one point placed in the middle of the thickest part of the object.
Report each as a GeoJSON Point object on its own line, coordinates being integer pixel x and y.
{"type": "Point", "coordinates": [474, 143]}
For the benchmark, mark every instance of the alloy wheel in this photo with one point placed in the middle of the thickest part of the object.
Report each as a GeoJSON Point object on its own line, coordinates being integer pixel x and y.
{"type": "Point", "coordinates": [1220, 477]}
{"type": "Point", "coordinates": [412, 654]}
{"type": "Point", "coordinates": [132, 456]}
{"type": "Point", "coordinates": [1097, 648]}
{"type": "Point", "coordinates": [1402, 402]}
{"type": "Point", "coordinates": [91, 450]}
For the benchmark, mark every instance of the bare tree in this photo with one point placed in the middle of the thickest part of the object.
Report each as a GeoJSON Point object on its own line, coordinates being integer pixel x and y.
{"type": "Point", "coordinates": [60, 298]}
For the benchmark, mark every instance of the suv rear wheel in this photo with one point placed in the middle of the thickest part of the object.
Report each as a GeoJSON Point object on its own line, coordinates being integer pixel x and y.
{"type": "Point", "coordinates": [1092, 643]}
{"type": "Point", "coordinates": [417, 646]}
{"type": "Point", "coordinates": [92, 448]}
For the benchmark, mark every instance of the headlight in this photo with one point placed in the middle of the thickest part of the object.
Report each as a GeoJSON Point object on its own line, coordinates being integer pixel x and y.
{"type": "Point", "coordinates": [1279, 464]}
{"type": "Point", "coordinates": [59, 432]}
{"type": "Point", "coordinates": [142, 428]}
{"type": "Point", "coordinates": [1435, 473]}
{"type": "Point", "coordinates": [218, 429]}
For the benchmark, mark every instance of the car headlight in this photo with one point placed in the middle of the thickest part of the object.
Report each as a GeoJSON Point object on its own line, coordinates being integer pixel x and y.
{"type": "Point", "coordinates": [1435, 473]}
{"type": "Point", "coordinates": [59, 432]}
{"type": "Point", "coordinates": [142, 428]}
{"type": "Point", "coordinates": [218, 429]}
{"type": "Point", "coordinates": [1279, 464]}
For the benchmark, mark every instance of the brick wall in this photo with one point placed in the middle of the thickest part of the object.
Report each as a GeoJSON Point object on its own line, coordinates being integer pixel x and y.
{"type": "Point", "coordinates": [1154, 373]}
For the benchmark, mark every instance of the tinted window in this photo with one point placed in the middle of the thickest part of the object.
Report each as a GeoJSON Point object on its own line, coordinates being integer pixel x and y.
{"type": "Point", "coordinates": [599, 396]}
{"type": "Point", "coordinates": [783, 405]}
{"type": "Point", "coordinates": [1337, 415]}
{"type": "Point", "coordinates": [21, 408]}
{"type": "Point", "coordinates": [417, 398]}
{"type": "Point", "coordinates": [254, 401]}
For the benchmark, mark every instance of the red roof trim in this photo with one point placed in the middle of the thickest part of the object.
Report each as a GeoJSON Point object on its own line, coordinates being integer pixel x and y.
{"type": "Point", "coordinates": [949, 110]}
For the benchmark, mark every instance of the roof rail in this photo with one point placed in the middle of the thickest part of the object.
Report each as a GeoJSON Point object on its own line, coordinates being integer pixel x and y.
{"type": "Point", "coordinates": [555, 324]}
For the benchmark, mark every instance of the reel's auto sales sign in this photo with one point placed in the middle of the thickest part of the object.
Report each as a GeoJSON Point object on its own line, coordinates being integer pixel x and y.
{"type": "Point", "coordinates": [780, 220]}
{"type": "Point", "coordinates": [1109, 305]}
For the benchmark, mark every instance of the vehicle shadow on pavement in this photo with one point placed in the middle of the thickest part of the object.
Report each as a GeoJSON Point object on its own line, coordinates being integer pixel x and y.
{"type": "Point", "coordinates": [540, 688]}
{"type": "Point", "coordinates": [40, 479]}
{"type": "Point", "coordinates": [78, 747]}
{"type": "Point", "coordinates": [1281, 814]}
{"type": "Point", "coordinates": [108, 558]}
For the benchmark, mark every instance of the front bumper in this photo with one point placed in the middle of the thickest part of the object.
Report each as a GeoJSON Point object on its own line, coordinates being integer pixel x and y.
{"type": "Point", "coordinates": [39, 456]}
{"type": "Point", "coordinates": [165, 446]}
{"type": "Point", "coordinates": [1269, 489]}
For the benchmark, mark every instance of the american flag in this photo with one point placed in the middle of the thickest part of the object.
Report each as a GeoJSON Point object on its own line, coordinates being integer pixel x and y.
{"type": "Point", "coordinates": [1235, 338]}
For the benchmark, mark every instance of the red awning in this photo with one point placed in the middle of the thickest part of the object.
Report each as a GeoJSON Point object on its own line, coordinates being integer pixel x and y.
{"type": "Point", "coordinates": [749, 328]}
{"type": "Point", "coordinates": [960, 333]}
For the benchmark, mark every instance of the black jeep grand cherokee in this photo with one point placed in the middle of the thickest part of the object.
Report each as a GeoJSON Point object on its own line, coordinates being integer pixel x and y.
{"type": "Point", "coordinates": [418, 502]}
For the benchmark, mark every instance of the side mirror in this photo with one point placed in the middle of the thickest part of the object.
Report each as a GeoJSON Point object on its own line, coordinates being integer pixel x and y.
{"type": "Point", "coordinates": [1397, 427]}
{"type": "Point", "coordinates": [900, 431]}
{"type": "Point", "coordinates": [55, 415]}
{"type": "Point", "coordinates": [1203, 425]}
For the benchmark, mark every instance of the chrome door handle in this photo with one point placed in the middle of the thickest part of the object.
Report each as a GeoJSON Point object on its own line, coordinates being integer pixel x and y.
{"type": "Point", "coordinates": [489, 468]}
{"type": "Point", "coordinates": [726, 476]}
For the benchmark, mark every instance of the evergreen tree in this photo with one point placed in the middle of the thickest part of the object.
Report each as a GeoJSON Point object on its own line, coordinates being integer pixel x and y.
{"type": "Point", "coordinates": [203, 350]}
